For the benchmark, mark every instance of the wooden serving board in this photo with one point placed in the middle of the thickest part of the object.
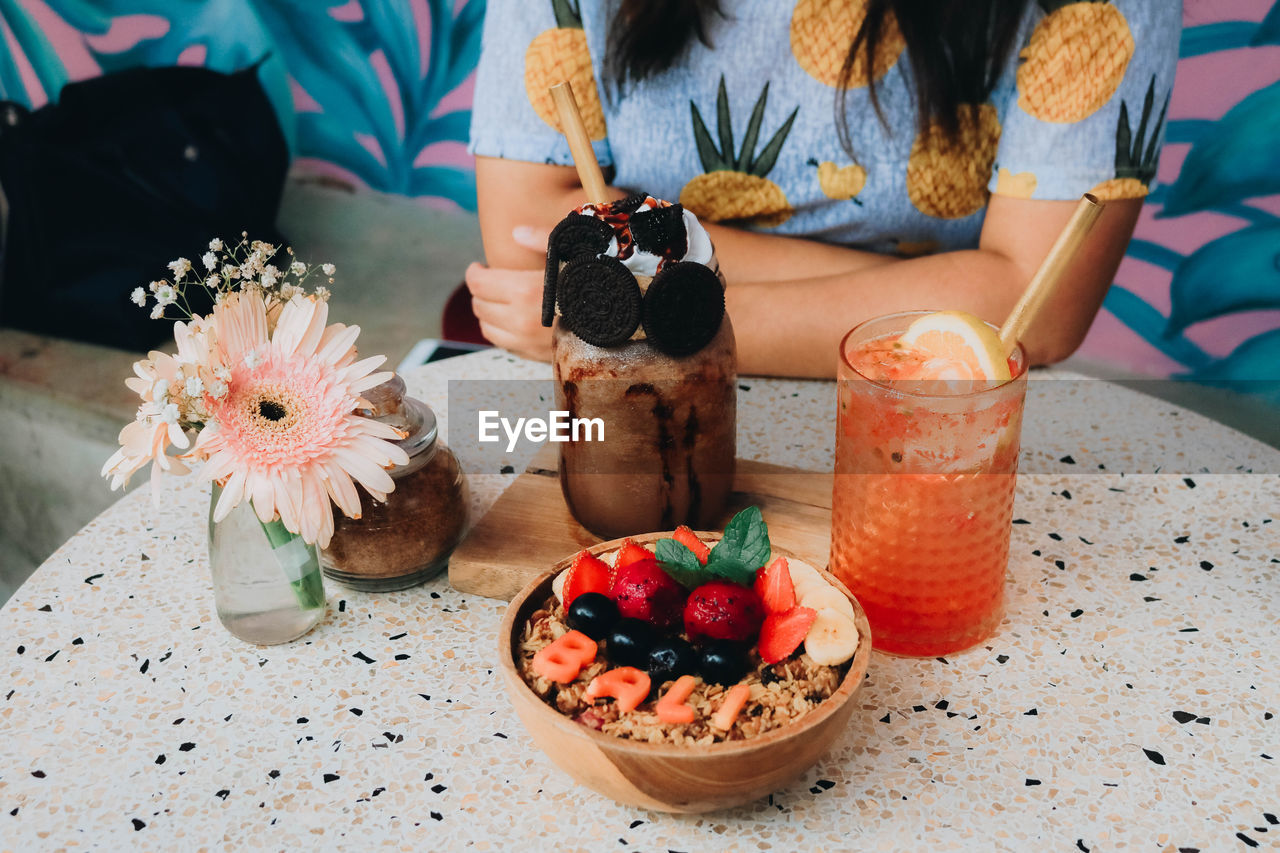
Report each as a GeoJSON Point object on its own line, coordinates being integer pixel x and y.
{"type": "Point", "coordinates": [529, 528]}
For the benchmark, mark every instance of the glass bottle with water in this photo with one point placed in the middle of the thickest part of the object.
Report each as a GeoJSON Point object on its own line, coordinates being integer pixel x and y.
{"type": "Point", "coordinates": [267, 583]}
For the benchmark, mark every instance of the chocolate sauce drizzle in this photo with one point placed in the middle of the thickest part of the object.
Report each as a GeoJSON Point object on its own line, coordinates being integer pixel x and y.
{"type": "Point", "coordinates": [668, 449]}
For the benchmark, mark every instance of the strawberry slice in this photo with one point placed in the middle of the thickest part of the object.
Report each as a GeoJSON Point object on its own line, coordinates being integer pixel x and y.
{"type": "Point", "coordinates": [774, 586]}
{"type": "Point", "coordinates": [587, 574]}
{"type": "Point", "coordinates": [630, 553]}
{"type": "Point", "coordinates": [690, 540]}
{"type": "Point", "coordinates": [782, 633]}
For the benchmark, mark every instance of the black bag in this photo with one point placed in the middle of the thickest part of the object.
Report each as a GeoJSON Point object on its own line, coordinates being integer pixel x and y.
{"type": "Point", "coordinates": [126, 173]}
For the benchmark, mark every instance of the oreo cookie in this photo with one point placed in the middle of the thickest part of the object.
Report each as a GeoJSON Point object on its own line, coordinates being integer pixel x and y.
{"type": "Point", "coordinates": [599, 300]}
{"type": "Point", "coordinates": [577, 235]}
{"type": "Point", "coordinates": [683, 308]}
{"type": "Point", "coordinates": [628, 204]}
{"type": "Point", "coordinates": [661, 231]}
{"type": "Point", "coordinates": [574, 236]}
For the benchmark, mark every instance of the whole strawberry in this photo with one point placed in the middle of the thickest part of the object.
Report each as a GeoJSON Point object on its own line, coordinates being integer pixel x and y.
{"type": "Point", "coordinates": [642, 590]}
{"type": "Point", "coordinates": [722, 610]}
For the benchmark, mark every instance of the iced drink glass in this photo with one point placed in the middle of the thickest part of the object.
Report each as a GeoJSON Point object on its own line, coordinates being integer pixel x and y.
{"type": "Point", "coordinates": [669, 426]}
{"type": "Point", "coordinates": [641, 343]}
{"type": "Point", "coordinates": [923, 498]}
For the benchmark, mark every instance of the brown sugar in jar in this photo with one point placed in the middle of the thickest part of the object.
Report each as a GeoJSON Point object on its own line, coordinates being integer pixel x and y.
{"type": "Point", "coordinates": [408, 539]}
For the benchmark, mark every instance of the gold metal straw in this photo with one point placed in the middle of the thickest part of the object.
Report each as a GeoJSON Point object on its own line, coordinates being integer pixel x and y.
{"type": "Point", "coordinates": [1050, 272]}
{"type": "Point", "coordinates": [579, 143]}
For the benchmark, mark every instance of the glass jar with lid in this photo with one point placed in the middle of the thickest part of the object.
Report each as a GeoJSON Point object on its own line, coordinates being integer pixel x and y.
{"type": "Point", "coordinates": [408, 539]}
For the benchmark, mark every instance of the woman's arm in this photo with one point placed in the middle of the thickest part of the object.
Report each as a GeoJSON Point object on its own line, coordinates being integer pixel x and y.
{"type": "Point", "coordinates": [793, 328]}
{"type": "Point", "coordinates": [519, 204]}
{"type": "Point", "coordinates": [791, 300]}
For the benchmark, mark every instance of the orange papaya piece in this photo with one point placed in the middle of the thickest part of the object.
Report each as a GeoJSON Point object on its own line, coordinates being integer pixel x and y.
{"type": "Point", "coordinates": [671, 707]}
{"type": "Point", "coordinates": [564, 658]}
{"type": "Point", "coordinates": [626, 684]}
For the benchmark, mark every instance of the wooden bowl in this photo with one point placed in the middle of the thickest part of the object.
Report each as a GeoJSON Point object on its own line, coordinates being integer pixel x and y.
{"type": "Point", "coordinates": [667, 777]}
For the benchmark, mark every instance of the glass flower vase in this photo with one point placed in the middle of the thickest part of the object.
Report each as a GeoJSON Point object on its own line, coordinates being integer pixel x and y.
{"type": "Point", "coordinates": [267, 583]}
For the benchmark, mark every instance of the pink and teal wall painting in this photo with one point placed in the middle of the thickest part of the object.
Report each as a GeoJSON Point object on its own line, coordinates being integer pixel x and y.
{"type": "Point", "coordinates": [1198, 294]}
{"type": "Point", "coordinates": [371, 92]}
{"type": "Point", "coordinates": [377, 93]}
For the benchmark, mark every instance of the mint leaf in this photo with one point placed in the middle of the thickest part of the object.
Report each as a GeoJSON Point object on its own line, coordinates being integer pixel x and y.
{"type": "Point", "coordinates": [733, 570]}
{"type": "Point", "coordinates": [745, 542]}
{"type": "Point", "coordinates": [680, 563]}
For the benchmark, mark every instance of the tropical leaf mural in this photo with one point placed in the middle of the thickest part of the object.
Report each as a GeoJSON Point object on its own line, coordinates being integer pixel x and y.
{"type": "Point", "coordinates": [370, 87]}
{"type": "Point", "coordinates": [1238, 272]}
{"type": "Point", "coordinates": [1232, 161]}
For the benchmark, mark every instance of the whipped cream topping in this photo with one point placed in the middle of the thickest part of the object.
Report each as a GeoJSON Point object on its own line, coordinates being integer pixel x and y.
{"type": "Point", "coordinates": [640, 262]}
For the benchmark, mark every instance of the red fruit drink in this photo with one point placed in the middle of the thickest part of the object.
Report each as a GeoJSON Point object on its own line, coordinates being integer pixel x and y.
{"type": "Point", "coordinates": [923, 499]}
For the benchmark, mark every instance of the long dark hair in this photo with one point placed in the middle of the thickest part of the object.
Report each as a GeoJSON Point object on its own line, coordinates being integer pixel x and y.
{"type": "Point", "coordinates": [957, 48]}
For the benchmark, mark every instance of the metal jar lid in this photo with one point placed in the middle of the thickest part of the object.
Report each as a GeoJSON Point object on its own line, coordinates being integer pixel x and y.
{"type": "Point", "coordinates": [414, 418]}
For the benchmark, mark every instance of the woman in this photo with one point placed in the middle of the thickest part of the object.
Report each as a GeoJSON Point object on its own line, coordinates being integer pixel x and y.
{"type": "Point", "coordinates": [859, 157]}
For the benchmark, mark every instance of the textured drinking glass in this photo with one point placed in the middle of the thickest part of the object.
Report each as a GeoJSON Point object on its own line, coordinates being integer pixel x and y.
{"type": "Point", "coordinates": [923, 499]}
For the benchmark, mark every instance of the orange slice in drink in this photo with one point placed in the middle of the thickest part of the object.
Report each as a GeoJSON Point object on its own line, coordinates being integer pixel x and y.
{"type": "Point", "coordinates": [958, 346]}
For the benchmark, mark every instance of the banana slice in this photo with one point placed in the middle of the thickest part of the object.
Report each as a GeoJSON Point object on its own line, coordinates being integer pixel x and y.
{"type": "Point", "coordinates": [809, 586]}
{"type": "Point", "coordinates": [803, 574]}
{"type": "Point", "coordinates": [815, 591]}
{"type": "Point", "coordinates": [832, 639]}
{"type": "Point", "coordinates": [826, 597]}
{"type": "Point", "coordinates": [557, 585]}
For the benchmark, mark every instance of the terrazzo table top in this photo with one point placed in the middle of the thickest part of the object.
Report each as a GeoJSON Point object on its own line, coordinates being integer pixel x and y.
{"type": "Point", "coordinates": [1129, 699]}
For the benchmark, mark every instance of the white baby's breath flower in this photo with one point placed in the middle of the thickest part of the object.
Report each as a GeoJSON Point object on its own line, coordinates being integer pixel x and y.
{"type": "Point", "coordinates": [298, 268]}
{"type": "Point", "coordinates": [157, 312]}
{"type": "Point", "coordinates": [166, 295]}
{"type": "Point", "coordinates": [218, 389]}
{"type": "Point", "coordinates": [169, 413]}
{"type": "Point", "coordinates": [179, 266]}
{"type": "Point", "coordinates": [323, 294]}
{"type": "Point", "coordinates": [252, 360]}
{"type": "Point", "coordinates": [160, 391]}
{"type": "Point", "coordinates": [328, 269]}
{"type": "Point", "coordinates": [222, 372]}
{"type": "Point", "coordinates": [216, 244]}
{"type": "Point", "coordinates": [155, 285]}
{"type": "Point", "coordinates": [213, 282]}
{"type": "Point", "coordinates": [139, 297]}
{"type": "Point", "coordinates": [269, 276]}
{"type": "Point", "coordinates": [194, 386]}
{"type": "Point", "coordinates": [179, 376]}
{"type": "Point", "coordinates": [210, 260]}
{"type": "Point", "coordinates": [231, 271]}
{"type": "Point", "coordinates": [288, 291]}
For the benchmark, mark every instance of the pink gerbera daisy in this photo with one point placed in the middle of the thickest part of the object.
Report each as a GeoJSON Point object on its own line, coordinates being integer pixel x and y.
{"type": "Point", "coordinates": [285, 433]}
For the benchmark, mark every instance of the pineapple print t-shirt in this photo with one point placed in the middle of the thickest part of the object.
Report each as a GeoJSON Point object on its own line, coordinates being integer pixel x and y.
{"type": "Point", "coordinates": [743, 131]}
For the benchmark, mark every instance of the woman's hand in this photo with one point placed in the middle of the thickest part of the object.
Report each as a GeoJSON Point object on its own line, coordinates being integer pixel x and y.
{"type": "Point", "coordinates": [508, 302]}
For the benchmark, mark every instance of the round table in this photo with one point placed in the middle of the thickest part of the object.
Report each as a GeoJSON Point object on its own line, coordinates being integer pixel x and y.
{"type": "Point", "coordinates": [1129, 698]}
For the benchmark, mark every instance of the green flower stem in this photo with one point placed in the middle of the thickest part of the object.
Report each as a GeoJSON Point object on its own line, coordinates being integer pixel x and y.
{"type": "Point", "coordinates": [309, 587]}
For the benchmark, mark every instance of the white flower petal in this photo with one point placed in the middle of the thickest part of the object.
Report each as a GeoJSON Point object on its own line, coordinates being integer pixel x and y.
{"type": "Point", "coordinates": [337, 343]}
{"type": "Point", "coordinates": [342, 490]}
{"type": "Point", "coordinates": [367, 473]}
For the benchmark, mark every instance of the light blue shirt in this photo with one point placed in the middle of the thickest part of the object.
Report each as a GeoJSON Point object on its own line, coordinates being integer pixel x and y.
{"type": "Point", "coordinates": [1051, 129]}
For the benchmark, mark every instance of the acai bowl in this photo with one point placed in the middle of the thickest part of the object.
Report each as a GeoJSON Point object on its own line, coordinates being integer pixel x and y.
{"type": "Point", "coordinates": [685, 730]}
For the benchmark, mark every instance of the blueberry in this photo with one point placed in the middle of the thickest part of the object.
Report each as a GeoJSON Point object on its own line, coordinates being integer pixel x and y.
{"type": "Point", "coordinates": [723, 662]}
{"type": "Point", "coordinates": [592, 613]}
{"type": "Point", "coordinates": [629, 642]}
{"type": "Point", "coordinates": [671, 658]}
